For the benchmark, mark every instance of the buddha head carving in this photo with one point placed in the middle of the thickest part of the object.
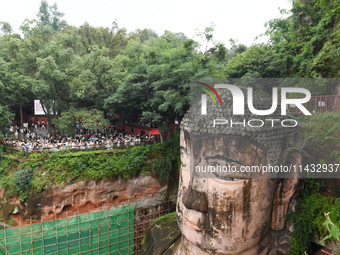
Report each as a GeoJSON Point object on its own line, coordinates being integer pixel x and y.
{"type": "Point", "coordinates": [231, 212]}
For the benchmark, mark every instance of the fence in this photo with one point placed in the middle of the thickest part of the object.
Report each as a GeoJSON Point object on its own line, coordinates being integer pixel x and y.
{"type": "Point", "coordinates": [118, 231]}
{"type": "Point", "coordinates": [318, 104]}
{"type": "Point", "coordinates": [13, 149]}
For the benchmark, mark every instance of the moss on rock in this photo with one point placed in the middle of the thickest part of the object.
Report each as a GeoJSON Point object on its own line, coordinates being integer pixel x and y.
{"type": "Point", "coordinates": [162, 233]}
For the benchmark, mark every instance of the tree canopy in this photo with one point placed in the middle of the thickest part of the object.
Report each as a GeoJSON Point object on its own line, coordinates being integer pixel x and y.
{"type": "Point", "coordinates": [143, 76]}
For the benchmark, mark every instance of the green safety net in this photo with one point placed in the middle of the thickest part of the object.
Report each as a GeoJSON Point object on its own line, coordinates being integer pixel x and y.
{"type": "Point", "coordinates": [103, 232]}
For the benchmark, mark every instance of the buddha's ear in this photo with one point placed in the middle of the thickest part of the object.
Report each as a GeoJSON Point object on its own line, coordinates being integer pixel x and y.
{"type": "Point", "coordinates": [285, 189]}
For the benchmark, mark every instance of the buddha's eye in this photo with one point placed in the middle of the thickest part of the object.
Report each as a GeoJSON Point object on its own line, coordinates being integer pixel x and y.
{"type": "Point", "coordinates": [226, 178]}
{"type": "Point", "coordinates": [183, 149]}
{"type": "Point", "coordinates": [184, 165]}
{"type": "Point", "coordinates": [214, 162]}
{"type": "Point", "coordinates": [224, 168]}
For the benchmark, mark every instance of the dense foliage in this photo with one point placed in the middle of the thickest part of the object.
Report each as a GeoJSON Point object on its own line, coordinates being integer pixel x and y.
{"type": "Point", "coordinates": [166, 165]}
{"type": "Point", "coordinates": [22, 181]}
{"type": "Point", "coordinates": [144, 76]}
{"type": "Point", "coordinates": [303, 44]}
{"type": "Point", "coordinates": [316, 216]}
{"type": "Point", "coordinates": [322, 133]}
{"type": "Point", "coordinates": [92, 119]}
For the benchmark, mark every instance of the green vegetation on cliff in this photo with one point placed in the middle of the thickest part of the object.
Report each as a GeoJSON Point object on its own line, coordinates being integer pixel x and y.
{"type": "Point", "coordinates": [316, 217]}
{"type": "Point", "coordinates": [323, 133]}
{"type": "Point", "coordinates": [63, 167]}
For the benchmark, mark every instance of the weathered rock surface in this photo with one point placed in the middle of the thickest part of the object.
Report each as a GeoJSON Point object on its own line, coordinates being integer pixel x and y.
{"type": "Point", "coordinates": [162, 236]}
{"type": "Point", "coordinates": [85, 196]}
{"type": "Point", "coordinates": [234, 212]}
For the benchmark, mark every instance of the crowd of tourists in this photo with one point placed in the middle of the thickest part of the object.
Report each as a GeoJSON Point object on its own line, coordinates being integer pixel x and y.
{"type": "Point", "coordinates": [39, 139]}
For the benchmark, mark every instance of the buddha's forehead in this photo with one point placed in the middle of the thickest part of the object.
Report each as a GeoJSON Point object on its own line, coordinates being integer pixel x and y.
{"type": "Point", "coordinates": [235, 148]}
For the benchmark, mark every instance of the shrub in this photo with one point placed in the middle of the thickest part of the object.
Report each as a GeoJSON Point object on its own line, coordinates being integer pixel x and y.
{"type": "Point", "coordinates": [309, 218]}
{"type": "Point", "coordinates": [167, 164]}
{"type": "Point", "coordinates": [63, 167]}
{"type": "Point", "coordinates": [22, 182]}
{"type": "Point", "coordinates": [323, 133]}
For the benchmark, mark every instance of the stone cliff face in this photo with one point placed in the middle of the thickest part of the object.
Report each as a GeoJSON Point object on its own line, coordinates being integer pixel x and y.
{"type": "Point", "coordinates": [84, 196]}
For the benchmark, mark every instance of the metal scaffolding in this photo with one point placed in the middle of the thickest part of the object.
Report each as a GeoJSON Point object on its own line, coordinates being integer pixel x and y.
{"type": "Point", "coordinates": [118, 230]}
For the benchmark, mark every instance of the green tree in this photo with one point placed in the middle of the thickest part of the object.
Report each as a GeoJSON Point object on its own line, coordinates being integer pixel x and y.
{"type": "Point", "coordinates": [235, 49]}
{"type": "Point", "coordinates": [307, 42]}
{"type": "Point", "coordinates": [92, 119]}
{"type": "Point", "coordinates": [258, 61]}
{"type": "Point", "coordinates": [94, 77]}
{"type": "Point", "coordinates": [114, 38]}
{"type": "Point", "coordinates": [16, 61]}
{"type": "Point", "coordinates": [50, 16]}
{"type": "Point", "coordinates": [5, 28]}
{"type": "Point", "coordinates": [5, 117]}
{"type": "Point", "coordinates": [156, 79]}
{"type": "Point", "coordinates": [213, 54]}
{"type": "Point", "coordinates": [143, 35]}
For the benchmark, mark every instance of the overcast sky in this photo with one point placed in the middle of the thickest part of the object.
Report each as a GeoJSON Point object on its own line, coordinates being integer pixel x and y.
{"type": "Point", "coordinates": [242, 20]}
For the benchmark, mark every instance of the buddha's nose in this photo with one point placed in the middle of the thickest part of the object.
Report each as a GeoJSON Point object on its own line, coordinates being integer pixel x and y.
{"type": "Point", "coordinates": [195, 200]}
